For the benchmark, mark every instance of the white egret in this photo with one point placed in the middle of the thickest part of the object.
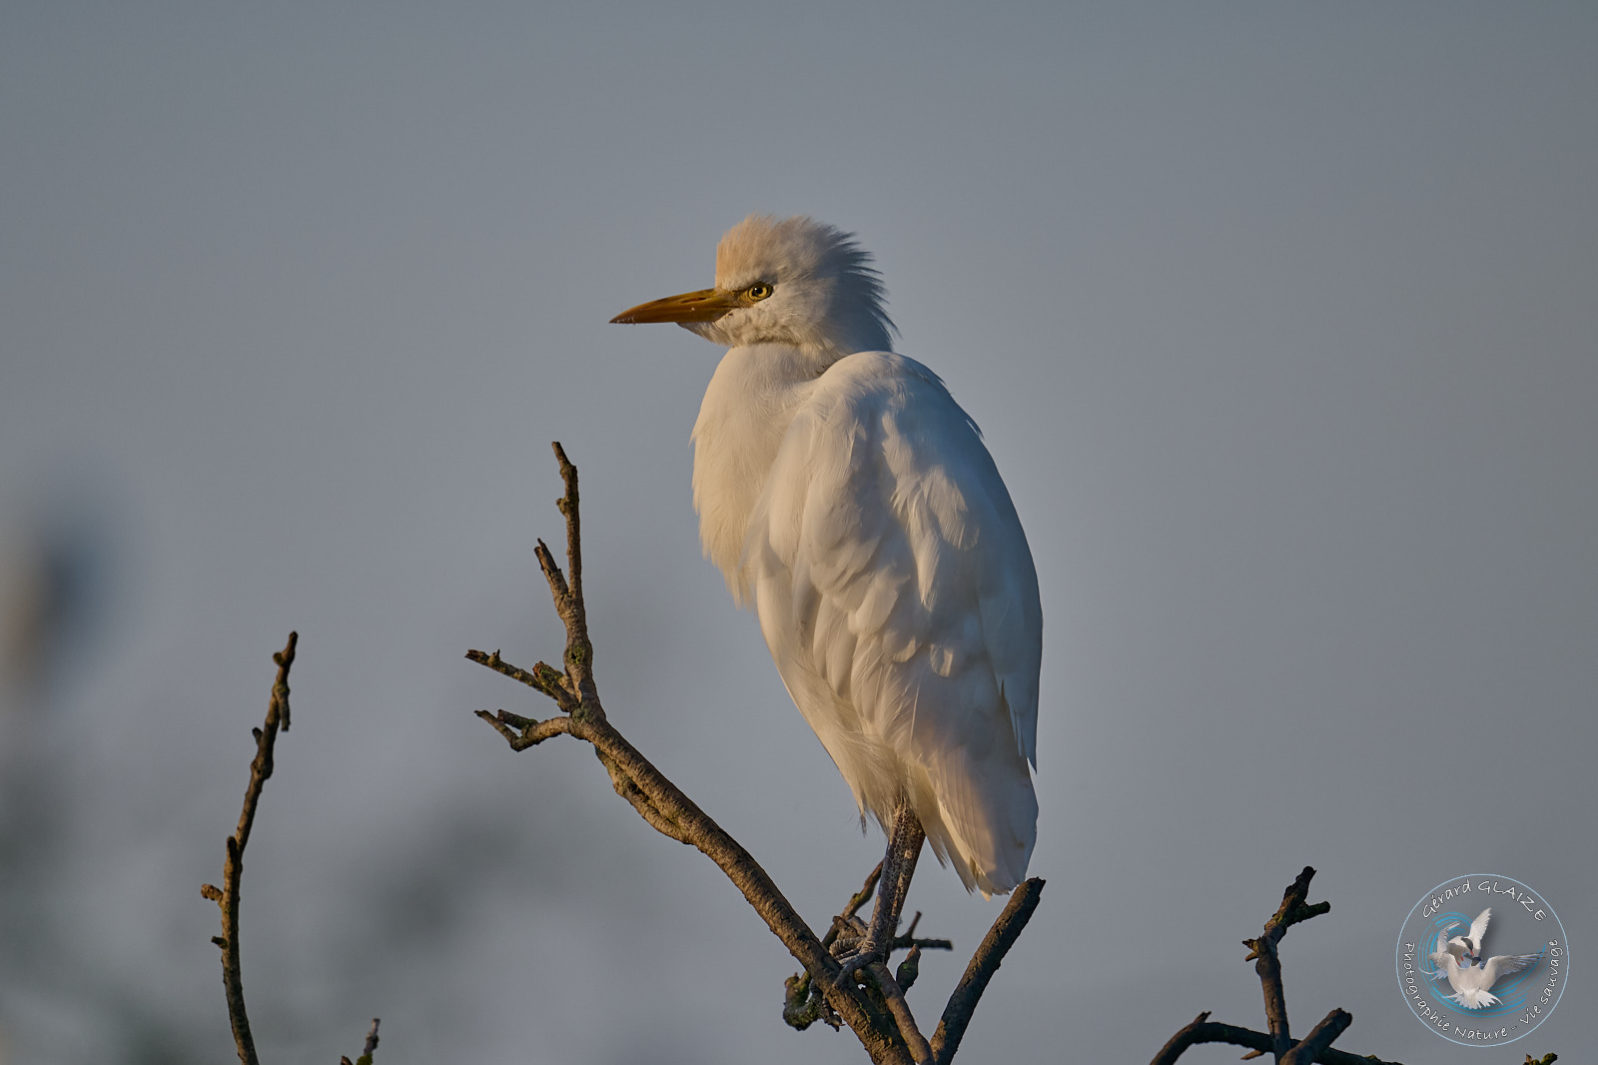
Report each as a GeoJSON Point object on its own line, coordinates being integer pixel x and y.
{"type": "Point", "coordinates": [848, 499]}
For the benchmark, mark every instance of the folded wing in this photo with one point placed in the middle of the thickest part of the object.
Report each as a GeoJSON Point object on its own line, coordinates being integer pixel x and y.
{"type": "Point", "coordinates": [898, 597]}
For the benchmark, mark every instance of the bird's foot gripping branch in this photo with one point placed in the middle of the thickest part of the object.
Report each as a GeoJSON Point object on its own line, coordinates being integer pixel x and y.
{"type": "Point", "coordinates": [872, 1003]}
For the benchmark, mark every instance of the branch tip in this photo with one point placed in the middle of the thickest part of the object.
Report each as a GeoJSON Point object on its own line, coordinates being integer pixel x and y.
{"type": "Point", "coordinates": [984, 963]}
{"type": "Point", "coordinates": [227, 896]}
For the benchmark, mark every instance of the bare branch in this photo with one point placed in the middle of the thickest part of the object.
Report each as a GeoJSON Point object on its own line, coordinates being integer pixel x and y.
{"type": "Point", "coordinates": [1262, 952]}
{"type": "Point", "coordinates": [569, 604]}
{"type": "Point", "coordinates": [698, 829]}
{"type": "Point", "coordinates": [1312, 1046]}
{"type": "Point", "coordinates": [1203, 1030]}
{"type": "Point", "coordinates": [852, 907]}
{"type": "Point", "coordinates": [541, 677]}
{"type": "Point", "coordinates": [984, 963]}
{"type": "Point", "coordinates": [569, 505]}
{"type": "Point", "coordinates": [521, 732]}
{"type": "Point", "coordinates": [1200, 1030]}
{"type": "Point", "coordinates": [559, 590]}
{"type": "Point", "coordinates": [227, 897]}
{"type": "Point", "coordinates": [910, 968]}
{"type": "Point", "coordinates": [368, 1050]}
{"type": "Point", "coordinates": [1316, 1046]}
{"type": "Point", "coordinates": [909, 939]}
{"type": "Point", "coordinates": [899, 1010]}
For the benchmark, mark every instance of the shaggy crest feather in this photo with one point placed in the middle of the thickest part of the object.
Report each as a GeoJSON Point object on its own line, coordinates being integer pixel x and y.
{"type": "Point", "coordinates": [839, 298]}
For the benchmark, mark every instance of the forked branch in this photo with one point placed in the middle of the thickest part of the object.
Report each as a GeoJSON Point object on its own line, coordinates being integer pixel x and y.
{"type": "Point", "coordinates": [1317, 1045]}
{"type": "Point", "coordinates": [1268, 966]}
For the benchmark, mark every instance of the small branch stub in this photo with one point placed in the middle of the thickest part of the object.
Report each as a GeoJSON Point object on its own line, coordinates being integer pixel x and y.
{"type": "Point", "coordinates": [366, 1051]}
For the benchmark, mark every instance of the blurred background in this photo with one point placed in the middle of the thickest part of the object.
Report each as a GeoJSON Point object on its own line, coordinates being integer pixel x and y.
{"type": "Point", "coordinates": [1279, 322]}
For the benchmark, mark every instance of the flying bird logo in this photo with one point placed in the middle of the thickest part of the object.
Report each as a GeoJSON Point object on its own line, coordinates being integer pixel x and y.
{"type": "Point", "coordinates": [1454, 984]}
{"type": "Point", "coordinates": [1458, 960]}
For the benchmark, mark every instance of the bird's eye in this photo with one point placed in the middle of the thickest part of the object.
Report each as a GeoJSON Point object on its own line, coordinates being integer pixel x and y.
{"type": "Point", "coordinates": [758, 291]}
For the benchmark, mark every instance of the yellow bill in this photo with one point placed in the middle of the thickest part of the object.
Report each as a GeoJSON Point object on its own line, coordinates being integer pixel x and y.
{"type": "Point", "coordinates": [705, 305]}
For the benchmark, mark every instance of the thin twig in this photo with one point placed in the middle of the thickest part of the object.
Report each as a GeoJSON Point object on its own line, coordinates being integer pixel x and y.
{"type": "Point", "coordinates": [852, 907]}
{"type": "Point", "coordinates": [568, 595]}
{"type": "Point", "coordinates": [522, 733]}
{"type": "Point", "coordinates": [541, 677]}
{"type": "Point", "coordinates": [227, 897]}
{"type": "Point", "coordinates": [984, 963]}
{"type": "Point", "coordinates": [1203, 1030]}
{"type": "Point", "coordinates": [570, 506]}
{"type": "Point", "coordinates": [368, 1050]}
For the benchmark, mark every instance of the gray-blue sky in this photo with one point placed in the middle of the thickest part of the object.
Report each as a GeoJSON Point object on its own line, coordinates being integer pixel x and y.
{"type": "Point", "coordinates": [1278, 321]}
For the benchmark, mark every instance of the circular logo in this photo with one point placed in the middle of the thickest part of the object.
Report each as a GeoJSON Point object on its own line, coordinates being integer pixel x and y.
{"type": "Point", "coordinates": [1482, 959]}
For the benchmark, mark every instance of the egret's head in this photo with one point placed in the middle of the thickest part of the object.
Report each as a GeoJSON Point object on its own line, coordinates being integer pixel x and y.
{"type": "Point", "coordinates": [791, 281]}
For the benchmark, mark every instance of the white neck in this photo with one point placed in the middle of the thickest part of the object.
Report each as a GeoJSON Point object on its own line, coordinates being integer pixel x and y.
{"type": "Point", "coordinates": [747, 409]}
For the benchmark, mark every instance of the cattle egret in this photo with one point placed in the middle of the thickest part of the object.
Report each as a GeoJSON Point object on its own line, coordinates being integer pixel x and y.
{"type": "Point", "coordinates": [850, 502]}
